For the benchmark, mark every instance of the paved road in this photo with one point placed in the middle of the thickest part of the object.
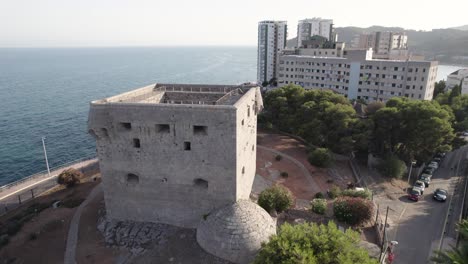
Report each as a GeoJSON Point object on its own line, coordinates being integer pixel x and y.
{"type": "Point", "coordinates": [10, 198]}
{"type": "Point", "coordinates": [419, 230]}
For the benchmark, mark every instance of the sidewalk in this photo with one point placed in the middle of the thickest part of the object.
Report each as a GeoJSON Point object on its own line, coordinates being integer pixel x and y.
{"type": "Point", "coordinates": [13, 194]}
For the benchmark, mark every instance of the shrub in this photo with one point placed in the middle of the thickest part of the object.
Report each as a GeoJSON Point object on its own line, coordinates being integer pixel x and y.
{"type": "Point", "coordinates": [353, 210]}
{"type": "Point", "coordinates": [312, 243]}
{"type": "Point", "coordinates": [320, 157]}
{"type": "Point", "coordinates": [319, 195]}
{"type": "Point", "coordinates": [319, 206]}
{"type": "Point", "coordinates": [334, 192]}
{"type": "Point", "coordinates": [278, 157]}
{"type": "Point", "coordinates": [277, 197]}
{"type": "Point", "coordinates": [284, 174]}
{"type": "Point", "coordinates": [366, 193]}
{"type": "Point", "coordinates": [69, 177]}
{"type": "Point", "coordinates": [392, 167]}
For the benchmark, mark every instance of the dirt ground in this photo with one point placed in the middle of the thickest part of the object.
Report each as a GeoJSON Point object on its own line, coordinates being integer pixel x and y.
{"type": "Point", "coordinates": [43, 238]}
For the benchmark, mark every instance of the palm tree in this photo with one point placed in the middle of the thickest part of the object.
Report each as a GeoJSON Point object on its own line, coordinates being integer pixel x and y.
{"type": "Point", "coordinates": [456, 255]}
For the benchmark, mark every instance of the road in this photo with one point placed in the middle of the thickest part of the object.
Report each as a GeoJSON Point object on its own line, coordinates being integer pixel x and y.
{"type": "Point", "coordinates": [421, 224]}
{"type": "Point", "coordinates": [11, 197]}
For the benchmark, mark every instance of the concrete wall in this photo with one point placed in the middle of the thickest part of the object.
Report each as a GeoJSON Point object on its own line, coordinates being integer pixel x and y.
{"type": "Point", "coordinates": [162, 181]}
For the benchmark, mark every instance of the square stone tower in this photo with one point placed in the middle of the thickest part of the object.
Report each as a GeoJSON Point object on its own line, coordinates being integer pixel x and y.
{"type": "Point", "coordinates": [171, 153]}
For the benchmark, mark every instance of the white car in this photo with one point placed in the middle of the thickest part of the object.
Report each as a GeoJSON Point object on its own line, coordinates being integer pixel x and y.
{"type": "Point", "coordinates": [434, 165]}
{"type": "Point", "coordinates": [420, 185]}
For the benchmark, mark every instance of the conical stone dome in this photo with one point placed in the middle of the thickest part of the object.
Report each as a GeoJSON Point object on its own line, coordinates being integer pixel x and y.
{"type": "Point", "coordinates": [235, 232]}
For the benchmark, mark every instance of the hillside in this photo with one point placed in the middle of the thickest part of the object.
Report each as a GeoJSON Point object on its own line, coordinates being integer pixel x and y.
{"type": "Point", "coordinates": [465, 27]}
{"type": "Point", "coordinates": [445, 45]}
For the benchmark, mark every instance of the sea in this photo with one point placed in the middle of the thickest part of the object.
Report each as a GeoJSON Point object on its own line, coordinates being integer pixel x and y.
{"type": "Point", "coordinates": [45, 92]}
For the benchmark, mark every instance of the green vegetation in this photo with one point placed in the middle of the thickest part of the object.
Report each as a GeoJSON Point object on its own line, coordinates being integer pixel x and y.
{"type": "Point", "coordinates": [353, 210]}
{"type": "Point", "coordinates": [392, 167]}
{"type": "Point", "coordinates": [365, 194]}
{"type": "Point", "coordinates": [320, 157]}
{"type": "Point", "coordinates": [319, 195]}
{"type": "Point", "coordinates": [439, 88]}
{"type": "Point", "coordinates": [70, 177]}
{"type": "Point", "coordinates": [313, 244]}
{"type": "Point", "coordinates": [319, 206]}
{"type": "Point", "coordinates": [334, 192]}
{"type": "Point", "coordinates": [276, 198]}
{"type": "Point", "coordinates": [455, 255]}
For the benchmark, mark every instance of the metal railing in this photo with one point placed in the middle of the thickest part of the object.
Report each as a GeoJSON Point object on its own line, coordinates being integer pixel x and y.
{"type": "Point", "coordinates": [42, 174]}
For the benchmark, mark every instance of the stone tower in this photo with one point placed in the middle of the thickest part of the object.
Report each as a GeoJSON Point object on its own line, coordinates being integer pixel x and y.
{"type": "Point", "coordinates": [172, 153]}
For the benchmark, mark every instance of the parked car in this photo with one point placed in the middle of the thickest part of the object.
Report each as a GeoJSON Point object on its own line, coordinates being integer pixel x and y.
{"type": "Point", "coordinates": [421, 185]}
{"type": "Point", "coordinates": [465, 133]}
{"type": "Point", "coordinates": [440, 195]}
{"type": "Point", "coordinates": [426, 178]}
{"type": "Point", "coordinates": [440, 155]}
{"type": "Point", "coordinates": [434, 165]}
{"type": "Point", "coordinates": [428, 170]}
{"type": "Point", "coordinates": [438, 160]}
{"type": "Point", "coordinates": [414, 194]}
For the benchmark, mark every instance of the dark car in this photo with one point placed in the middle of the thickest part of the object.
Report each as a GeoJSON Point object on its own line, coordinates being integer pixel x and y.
{"type": "Point", "coordinates": [440, 195]}
{"type": "Point", "coordinates": [429, 170]}
{"type": "Point", "coordinates": [440, 155]}
{"type": "Point", "coordinates": [414, 194]}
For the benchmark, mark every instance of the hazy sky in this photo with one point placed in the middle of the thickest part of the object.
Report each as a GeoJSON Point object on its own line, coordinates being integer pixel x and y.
{"type": "Point", "coordinates": [26, 23]}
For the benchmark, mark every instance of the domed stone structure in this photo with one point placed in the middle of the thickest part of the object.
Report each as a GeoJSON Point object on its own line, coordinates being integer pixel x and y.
{"type": "Point", "coordinates": [235, 232]}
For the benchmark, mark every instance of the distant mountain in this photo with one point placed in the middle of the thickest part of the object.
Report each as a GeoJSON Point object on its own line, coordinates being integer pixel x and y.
{"type": "Point", "coordinates": [465, 27]}
{"type": "Point", "coordinates": [448, 46]}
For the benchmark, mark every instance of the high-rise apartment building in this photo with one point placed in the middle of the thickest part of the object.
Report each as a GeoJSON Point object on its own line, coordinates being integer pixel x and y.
{"type": "Point", "coordinates": [310, 27]}
{"type": "Point", "coordinates": [272, 37]}
{"type": "Point", "coordinates": [386, 45]}
{"type": "Point", "coordinates": [356, 75]}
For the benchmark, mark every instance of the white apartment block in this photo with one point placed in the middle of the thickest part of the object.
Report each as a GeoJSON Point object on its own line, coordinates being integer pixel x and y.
{"type": "Point", "coordinates": [456, 78]}
{"type": "Point", "coordinates": [272, 37]}
{"type": "Point", "coordinates": [307, 28]}
{"type": "Point", "coordinates": [357, 76]}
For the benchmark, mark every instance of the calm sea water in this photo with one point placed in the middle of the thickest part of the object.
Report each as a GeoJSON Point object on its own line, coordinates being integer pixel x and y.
{"type": "Point", "coordinates": [46, 92]}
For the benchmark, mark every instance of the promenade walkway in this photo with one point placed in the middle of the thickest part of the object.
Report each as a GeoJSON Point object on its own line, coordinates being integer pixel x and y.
{"type": "Point", "coordinates": [15, 193]}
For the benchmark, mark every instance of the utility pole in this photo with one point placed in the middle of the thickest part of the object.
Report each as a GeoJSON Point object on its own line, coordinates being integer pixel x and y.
{"type": "Point", "coordinates": [384, 242]}
{"type": "Point", "coordinates": [411, 167]}
{"type": "Point", "coordinates": [45, 155]}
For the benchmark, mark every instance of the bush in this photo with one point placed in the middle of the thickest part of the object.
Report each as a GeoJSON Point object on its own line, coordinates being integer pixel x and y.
{"type": "Point", "coordinates": [320, 157]}
{"type": "Point", "coordinates": [312, 243]}
{"type": "Point", "coordinates": [334, 192]}
{"type": "Point", "coordinates": [277, 197]}
{"type": "Point", "coordinates": [319, 195]}
{"type": "Point", "coordinates": [319, 206]}
{"type": "Point", "coordinates": [69, 177]}
{"type": "Point", "coordinates": [366, 194]}
{"type": "Point", "coordinates": [284, 174]}
{"type": "Point", "coordinates": [278, 157]}
{"type": "Point", "coordinates": [392, 167]}
{"type": "Point", "coordinates": [353, 211]}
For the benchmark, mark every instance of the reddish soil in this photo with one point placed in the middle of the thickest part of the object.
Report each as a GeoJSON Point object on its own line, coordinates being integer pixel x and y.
{"type": "Point", "coordinates": [49, 226]}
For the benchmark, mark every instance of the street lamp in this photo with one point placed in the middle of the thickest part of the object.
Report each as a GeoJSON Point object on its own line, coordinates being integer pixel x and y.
{"type": "Point", "coordinates": [45, 155]}
{"type": "Point", "coordinates": [411, 166]}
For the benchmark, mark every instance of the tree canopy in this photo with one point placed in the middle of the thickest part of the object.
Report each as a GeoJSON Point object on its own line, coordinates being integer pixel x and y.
{"type": "Point", "coordinates": [313, 244]}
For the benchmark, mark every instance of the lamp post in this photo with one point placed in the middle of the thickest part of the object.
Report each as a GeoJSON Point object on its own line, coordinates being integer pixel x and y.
{"type": "Point", "coordinates": [411, 167]}
{"type": "Point", "coordinates": [45, 155]}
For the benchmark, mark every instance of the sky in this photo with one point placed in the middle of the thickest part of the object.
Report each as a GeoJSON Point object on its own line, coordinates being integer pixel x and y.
{"type": "Point", "coordinates": [63, 23]}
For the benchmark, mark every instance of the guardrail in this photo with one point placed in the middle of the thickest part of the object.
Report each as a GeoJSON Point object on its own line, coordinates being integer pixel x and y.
{"type": "Point", "coordinates": [42, 174]}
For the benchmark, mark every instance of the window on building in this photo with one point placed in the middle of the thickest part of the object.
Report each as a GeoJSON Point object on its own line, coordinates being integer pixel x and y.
{"type": "Point", "coordinates": [242, 122]}
{"type": "Point", "coordinates": [187, 145]}
{"type": "Point", "coordinates": [200, 130]}
{"type": "Point", "coordinates": [394, 76]}
{"type": "Point", "coordinates": [421, 87]}
{"type": "Point", "coordinates": [395, 68]}
{"type": "Point", "coordinates": [424, 70]}
{"type": "Point", "coordinates": [132, 178]}
{"type": "Point", "coordinates": [125, 125]}
{"type": "Point", "coordinates": [136, 143]}
{"type": "Point", "coordinates": [243, 170]}
{"type": "Point", "coordinates": [200, 183]}
{"type": "Point", "coordinates": [162, 128]}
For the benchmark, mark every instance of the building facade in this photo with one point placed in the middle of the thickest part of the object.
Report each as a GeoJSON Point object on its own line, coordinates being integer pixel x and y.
{"type": "Point", "coordinates": [310, 27]}
{"type": "Point", "coordinates": [385, 45]}
{"type": "Point", "coordinates": [357, 76]}
{"type": "Point", "coordinates": [272, 37]}
{"type": "Point", "coordinates": [172, 153]}
{"type": "Point", "coordinates": [456, 78]}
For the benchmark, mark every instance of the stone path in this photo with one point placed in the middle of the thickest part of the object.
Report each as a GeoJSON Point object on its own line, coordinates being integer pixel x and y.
{"type": "Point", "coordinates": [72, 238]}
{"type": "Point", "coordinates": [313, 184]}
